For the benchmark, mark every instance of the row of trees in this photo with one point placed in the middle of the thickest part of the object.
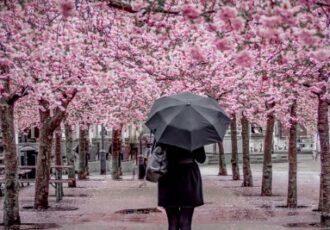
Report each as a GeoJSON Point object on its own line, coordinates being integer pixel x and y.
{"type": "Point", "coordinates": [104, 62]}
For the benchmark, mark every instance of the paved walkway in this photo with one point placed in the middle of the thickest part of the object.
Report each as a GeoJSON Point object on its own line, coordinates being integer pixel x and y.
{"type": "Point", "coordinates": [227, 205]}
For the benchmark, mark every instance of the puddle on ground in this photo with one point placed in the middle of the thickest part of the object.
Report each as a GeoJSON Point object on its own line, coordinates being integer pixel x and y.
{"type": "Point", "coordinates": [95, 179]}
{"type": "Point", "coordinates": [139, 211]}
{"type": "Point", "coordinates": [72, 195]}
{"type": "Point", "coordinates": [58, 208]}
{"type": "Point", "coordinates": [258, 195]}
{"type": "Point", "coordinates": [30, 226]}
{"type": "Point", "coordinates": [285, 206]}
{"type": "Point", "coordinates": [304, 225]}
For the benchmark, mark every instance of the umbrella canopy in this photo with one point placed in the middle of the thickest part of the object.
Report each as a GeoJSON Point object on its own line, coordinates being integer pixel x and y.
{"type": "Point", "coordinates": [187, 121]}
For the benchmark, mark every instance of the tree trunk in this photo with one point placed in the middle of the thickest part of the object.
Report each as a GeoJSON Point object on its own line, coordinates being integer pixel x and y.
{"type": "Point", "coordinates": [234, 151]}
{"type": "Point", "coordinates": [116, 147]}
{"type": "Point", "coordinates": [292, 182]}
{"type": "Point", "coordinates": [83, 148]}
{"type": "Point", "coordinates": [58, 161]}
{"type": "Point", "coordinates": [11, 208]}
{"type": "Point", "coordinates": [48, 125]}
{"type": "Point", "coordinates": [222, 161]}
{"type": "Point", "coordinates": [102, 154]}
{"type": "Point", "coordinates": [267, 171]}
{"type": "Point", "coordinates": [70, 155]}
{"type": "Point", "coordinates": [247, 174]}
{"type": "Point", "coordinates": [323, 129]}
{"type": "Point", "coordinates": [43, 164]}
{"type": "Point", "coordinates": [321, 190]}
{"type": "Point", "coordinates": [58, 154]}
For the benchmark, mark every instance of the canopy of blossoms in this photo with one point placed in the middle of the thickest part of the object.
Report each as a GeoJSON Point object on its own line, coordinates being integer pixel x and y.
{"type": "Point", "coordinates": [119, 58]}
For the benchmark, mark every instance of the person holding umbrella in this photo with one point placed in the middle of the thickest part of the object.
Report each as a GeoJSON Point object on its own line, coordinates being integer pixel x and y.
{"type": "Point", "coordinates": [180, 189]}
{"type": "Point", "coordinates": [182, 124]}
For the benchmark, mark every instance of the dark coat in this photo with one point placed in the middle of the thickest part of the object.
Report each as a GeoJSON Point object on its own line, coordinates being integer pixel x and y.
{"type": "Point", "coordinates": [181, 186]}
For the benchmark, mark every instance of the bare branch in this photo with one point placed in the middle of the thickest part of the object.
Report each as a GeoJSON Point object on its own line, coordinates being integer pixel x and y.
{"type": "Point", "coordinates": [59, 115]}
{"type": "Point", "coordinates": [118, 4]}
{"type": "Point", "coordinates": [323, 4]}
{"type": "Point", "coordinates": [223, 94]}
{"type": "Point", "coordinates": [125, 6]}
{"type": "Point", "coordinates": [17, 95]}
{"type": "Point", "coordinates": [68, 98]}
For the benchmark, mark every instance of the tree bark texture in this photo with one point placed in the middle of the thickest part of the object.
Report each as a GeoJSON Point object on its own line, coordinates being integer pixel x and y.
{"type": "Point", "coordinates": [83, 148]}
{"type": "Point", "coordinates": [116, 147]}
{"type": "Point", "coordinates": [11, 188]}
{"type": "Point", "coordinates": [70, 155]}
{"type": "Point", "coordinates": [323, 129]}
{"type": "Point", "coordinates": [292, 180]}
{"type": "Point", "coordinates": [267, 171]}
{"type": "Point", "coordinates": [43, 163]}
{"type": "Point", "coordinates": [234, 151]}
{"type": "Point", "coordinates": [58, 161]}
{"type": "Point", "coordinates": [321, 191]}
{"type": "Point", "coordinates": [247, 173]}
{"type": "Point", "coordinates": [48, 125]}
{"type": "Point", "coordinates": [222, 161]}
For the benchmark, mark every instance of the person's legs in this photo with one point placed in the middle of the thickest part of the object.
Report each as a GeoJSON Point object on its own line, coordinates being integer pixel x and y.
{"type": "Point", "coordinates": [186, 215]}
{"type": "Point", "coordinates": [173, 216]}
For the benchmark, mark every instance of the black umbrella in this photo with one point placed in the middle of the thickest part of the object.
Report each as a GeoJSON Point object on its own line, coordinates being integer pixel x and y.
{"type": "Point", "coordinates": [187, 121]}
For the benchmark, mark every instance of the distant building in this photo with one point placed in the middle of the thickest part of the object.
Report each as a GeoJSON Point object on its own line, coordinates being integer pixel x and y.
{"type": "Point", "coordinates": [306, 143]}
{"type": "Point", "coordinates": [134, 134]}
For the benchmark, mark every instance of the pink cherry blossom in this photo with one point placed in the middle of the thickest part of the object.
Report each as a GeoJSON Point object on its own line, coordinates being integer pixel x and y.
{"type": "Point", "coordinates": [138, 5]}
{"type": "Point", "coordinates": [237, 24]}
{"type": "Point", "coordinates": [287, 15]}
{"type": "Point", "coordinates": [244, 59]}
{"type": "Point", "coordinates": [196, 54]}
{"type": "Point", "coordinates": [268, 33]}
{"type": "Point", "coordinates": [190, 12]}
{"type": "Point", "coordinates": [67, 8]}
{"type": "Point", "coordinates": [321, 55]}
{"type": "Point", "coordinates": [271, 22]}
{"type": "Point", "coordinates": [211, 27]}
{"type": "Point", "coordinates": [5, 62]}
{"type": "Point", "coordinates": [223, 44]}
{"type": "Point", "coordinates": [308, 2]}
{"type": "Point", "coordinates": [226, 13]}
{"type": "Point", "coordinates": [283, 61]}
{"type": "Point", "coordinates": [307, 38]}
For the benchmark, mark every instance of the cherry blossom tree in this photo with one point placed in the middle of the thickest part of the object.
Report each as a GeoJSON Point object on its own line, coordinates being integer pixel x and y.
{"type": "Point", "coordinates": [280, 34]}
{"type": "Point", "coordinates": [104, 62]}
{"type": "Point", "coordinates": [15, 84]}
{"type": "Point", "coordinates": [48, 61]}
{"type": "Point", "coordinates": [11, 213]}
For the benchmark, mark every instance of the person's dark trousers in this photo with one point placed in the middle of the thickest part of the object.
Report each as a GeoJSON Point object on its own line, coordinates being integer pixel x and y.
{"type": "Point", "coordinates": [173, 217]}
{"type": "Point", "coordinates": [142, 171]}
{"type": "Point", "coordinates": [179, 218]}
